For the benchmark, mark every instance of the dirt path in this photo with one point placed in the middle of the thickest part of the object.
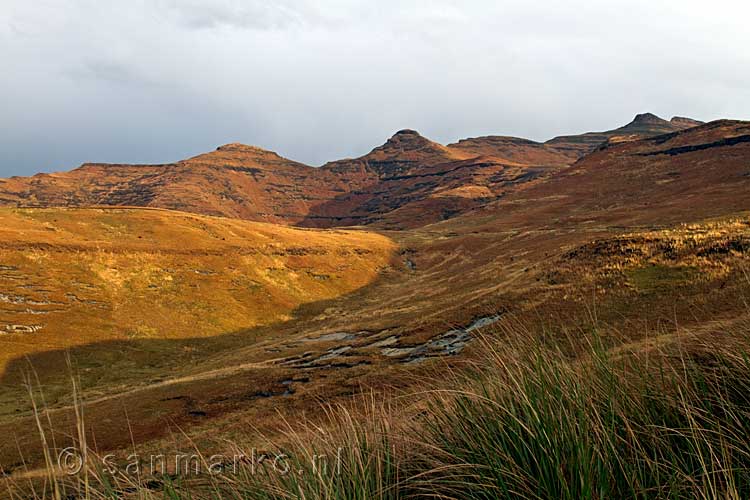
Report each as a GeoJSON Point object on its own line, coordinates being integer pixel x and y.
{"type": "Point", "coordinates": [207, 375]}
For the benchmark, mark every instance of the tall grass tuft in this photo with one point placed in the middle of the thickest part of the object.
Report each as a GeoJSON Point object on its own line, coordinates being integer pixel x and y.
{"type": "Point", "coordinates": [539, 425]}
{"type": "Point", "coordinates": [351, 457]}
{"type": "Point", "coordinates": [538, 419]}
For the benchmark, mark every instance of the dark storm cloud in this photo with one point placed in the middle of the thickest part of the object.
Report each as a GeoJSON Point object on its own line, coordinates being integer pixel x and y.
{"type": "Point", "coordinates": [160, 80]}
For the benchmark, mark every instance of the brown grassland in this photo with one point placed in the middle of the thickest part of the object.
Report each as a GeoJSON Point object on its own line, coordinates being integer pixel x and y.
{"type": "Point", "coordinates": [600, 313]}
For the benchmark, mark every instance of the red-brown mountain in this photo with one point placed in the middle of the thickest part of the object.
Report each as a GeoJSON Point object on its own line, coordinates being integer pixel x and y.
{"type": "Point", "coordinates": [644, 125]}
{"type": "Point", "coordinates": [250, 183]}
{"type": "Point", "coordinates": [406, 182]}
{"type": "Point", "coordinates": [234, 181]}
{"type": "Point", "coordinates": [564, 150]}
{"type": "Point", "coordinates": [412, 181]}
{"type": "Point", "coordinates": [692, 174]}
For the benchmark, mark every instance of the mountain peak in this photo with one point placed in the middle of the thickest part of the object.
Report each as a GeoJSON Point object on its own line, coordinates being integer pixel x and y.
{"type": "Point", "coordinates": [407, 132]}
{"type": "Point", "coordinates": [407, 136]}
{"type": "Point", "coordinates": [237, 155]}
{"type": "Point", "coordinates": [242, 148]}
{"type": "Point", "coordinates": [407, 150]}
{"type": "Point", "coordinates": [405, 141]}
{"type": "Point", "coordinates": [644, 124]}
{"type": "Point", "coordinates": [651, 124]}
{"type": "Point", "coordinates": [647, 118]}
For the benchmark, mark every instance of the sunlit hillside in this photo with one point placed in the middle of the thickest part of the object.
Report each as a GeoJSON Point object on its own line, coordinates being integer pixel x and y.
{"type": "Point", "coordinates": [75, 276]}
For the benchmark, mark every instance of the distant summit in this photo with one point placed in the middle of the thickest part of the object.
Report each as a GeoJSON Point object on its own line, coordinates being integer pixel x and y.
{"type": "Point", "coordinates": [238, 146]}
{"type": "Point", "coordinates": [682, 122]}
{"type": "Point", "coordinates": [235, 155]}
{"type": "Point", "coordinates": [644, 118]}
{"type": "Point", "coordinates": [407, 140]}
{"type": "Point", "coordinates": [406, 151]}
{"type": "Point", "coordinates": [407, 132]}
{"type": "Point", "coordinates": [651, 124]}
{"type": "Point", "coordinates": [565, 150]}
{"type": "Point", "coordinates": [643, 125]}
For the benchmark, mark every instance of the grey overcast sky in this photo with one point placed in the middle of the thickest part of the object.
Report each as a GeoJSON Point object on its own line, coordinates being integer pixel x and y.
{"type": "Point", "coordinates": [160, 80]}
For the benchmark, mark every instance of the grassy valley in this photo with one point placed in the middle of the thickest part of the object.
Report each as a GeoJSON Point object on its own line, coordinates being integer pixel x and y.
{"type": "Point", "coordinates": [570, 330]}
{"type": "Point", "coordinates": [72, 277]}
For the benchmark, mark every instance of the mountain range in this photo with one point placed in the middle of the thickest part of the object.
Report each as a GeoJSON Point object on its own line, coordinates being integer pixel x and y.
{"type": "Point", "coordinates": [407, 182]}
{"type": "Point", "coordinates": [211, 294]}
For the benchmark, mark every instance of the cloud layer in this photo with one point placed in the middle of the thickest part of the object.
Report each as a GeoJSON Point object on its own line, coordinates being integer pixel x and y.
{"type": "Point", "coordinates": [159, 80]}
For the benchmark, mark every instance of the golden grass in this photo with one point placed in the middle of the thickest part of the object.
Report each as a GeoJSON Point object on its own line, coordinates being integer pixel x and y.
{"type": "Point", "coordinates": [531, 419]}
{"type": "Point", "coordinates": [76, 276]}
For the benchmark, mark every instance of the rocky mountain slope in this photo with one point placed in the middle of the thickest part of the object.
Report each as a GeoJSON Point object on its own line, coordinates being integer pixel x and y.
{"type": "Point", "coordinates": [407, 182]}
{"type": "Point", "coordinates": [414, 181]}
{"type": "Point", "coordinates": [564, 150]}
{"type": "Point", "coordinates": [235, 181]}
{"type": "Point", "coordinates": [643, 125]}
